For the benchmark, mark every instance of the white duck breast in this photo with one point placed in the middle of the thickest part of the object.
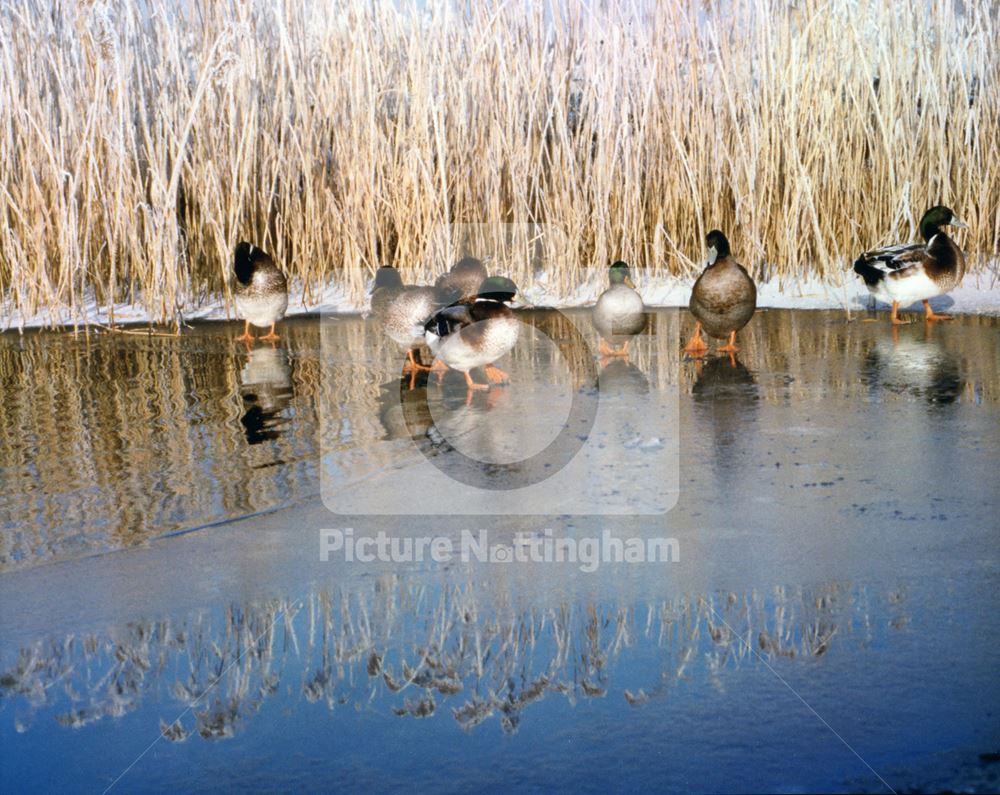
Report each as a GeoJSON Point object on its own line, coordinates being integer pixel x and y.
{"type": "Point", "coordinates": [907, 286]}
{"type": "Point", "coordinates": [619, 311]}
{"type": "Point", "coordinates": [479, 344]}
{"type": "Point", "coordinates": [265, 300]}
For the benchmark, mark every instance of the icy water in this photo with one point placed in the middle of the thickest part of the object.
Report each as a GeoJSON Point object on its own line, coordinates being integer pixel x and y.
{"type": "Point", "coordinates": [166, 621]}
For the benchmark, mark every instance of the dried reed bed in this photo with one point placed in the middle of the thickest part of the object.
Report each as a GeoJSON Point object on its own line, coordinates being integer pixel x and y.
{"type": "Point", "coordinates": [140, 141]}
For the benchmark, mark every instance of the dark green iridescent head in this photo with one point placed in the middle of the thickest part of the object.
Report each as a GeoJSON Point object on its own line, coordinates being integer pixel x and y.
{"type": "Point", "coordinates": [619, 273]}
{"type": "Point", "coordinates": [497, 288]}
{"type": "Point", "coordinates": [935, 218]}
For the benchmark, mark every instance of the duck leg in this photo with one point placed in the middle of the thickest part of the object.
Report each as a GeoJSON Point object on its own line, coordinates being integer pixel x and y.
{"type": "Point", "coordinates": [730, 346]}
{"type": "Point", "coordinates": [894, 318]}
{"type": "Point", "coordinates": [930, 314]}
{"type": "Point", "coordinates": [473, 385]}
{"type": "Point", "coordinates": [412, 363]}
{"type": "Point", "coordinates": [439, 368]}
{"type": "Point", "coordinates": [271, 335]}
{"type": "Point", "coordinates": [246, 336]}
{"type": "Point", "coordinates": [496, 375]}
{"type": "Point", "coordinates": [608, 350]}
{"type": "Point", "coordinates": [696, 345]}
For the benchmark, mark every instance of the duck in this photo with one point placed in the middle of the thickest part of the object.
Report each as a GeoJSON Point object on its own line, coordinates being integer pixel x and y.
{"type": "Point", "coordinates": [464, 278]}
{"type": "Point", "coordinates": [261, 290]}
{"type": "Point", "coordinates": [473, 334]}
{"type": "Point", "coordinates": [723, 299]}
{"type": "Point", "coordinates": [619, 313]}
{"type": "Point", "coordinates": [903, 274]}
{"type": "Point", "coordinates": [388, 284]}
{"type": "Point", "coordinates": [405, 310]}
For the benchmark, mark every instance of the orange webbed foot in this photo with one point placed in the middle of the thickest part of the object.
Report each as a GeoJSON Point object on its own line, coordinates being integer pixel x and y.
{"type": "Point", "coordinates": [495, 375]}
{"type": "Point", "coordinates": [473, 386]}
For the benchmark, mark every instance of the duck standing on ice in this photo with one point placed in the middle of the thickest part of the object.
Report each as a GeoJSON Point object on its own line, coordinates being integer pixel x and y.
{"type": "Point", "coordinates": [469, 335]}
{"type": "Point", "coordinates": [261, 291]}
{"type": "Point", "coordinates": [722, 300]}
{"type": "Point", "coordinates": [403, 309]}
{"type": "Point", "coordinates": [619, 313]}
{"type": "Point", "coordinates": [903, 274]}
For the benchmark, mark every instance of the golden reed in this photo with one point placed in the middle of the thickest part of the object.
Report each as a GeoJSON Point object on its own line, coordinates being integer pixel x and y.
{"type": "Point", "coordinates": [139, 141]}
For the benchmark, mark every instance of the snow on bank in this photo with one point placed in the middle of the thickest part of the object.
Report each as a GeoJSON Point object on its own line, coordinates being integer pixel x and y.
{"type": "Point", "coordinates": [979, 293]}
{"type": "Point", "coordinates": [333, 300]}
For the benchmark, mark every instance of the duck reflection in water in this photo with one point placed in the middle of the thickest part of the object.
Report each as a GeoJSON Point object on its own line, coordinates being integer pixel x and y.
{"type": "Point", "coordinates": [266, 389]}
{"type": "Point", "coordinates": [433, 418]}
{"type": "Point", "coordinates": [619, 376]}
{"type": "Point", "coordinates": [725, 396]}
{"type": "Point", "coordinates": [402, 407]}
{"type": "Point", "coordinates": [922, 368]}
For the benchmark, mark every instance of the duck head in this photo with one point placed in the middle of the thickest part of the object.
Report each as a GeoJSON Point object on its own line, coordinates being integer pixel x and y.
{"type": "Point", "coordinates": [619, 273]}
{"type": "Point", "coordinates": [935, 218]}
{"type": "Point", "coordinates": [387, 277]}
{"type": "Point", "coordinates": [243, 262]}
{"type": "Point", "coordinates": [718, 246]}
{"type": "Point", "coordinates": [468, 265]}
{"type": "Point", "coordinates": [497, 288]}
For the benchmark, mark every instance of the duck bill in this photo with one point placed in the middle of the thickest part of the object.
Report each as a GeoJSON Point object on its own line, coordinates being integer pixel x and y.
{"type": "Point", "coordinates": [629, 282]}
{"type": "Point", "coordinates": [958, 223]}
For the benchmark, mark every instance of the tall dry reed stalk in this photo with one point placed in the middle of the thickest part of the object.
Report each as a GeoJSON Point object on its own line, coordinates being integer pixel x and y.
{"type": "Point", "coordinates": [139, 141]}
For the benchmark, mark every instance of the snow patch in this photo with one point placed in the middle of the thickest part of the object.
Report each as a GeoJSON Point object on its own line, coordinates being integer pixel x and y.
{"type": "Point", "coordinates": [979, 293]}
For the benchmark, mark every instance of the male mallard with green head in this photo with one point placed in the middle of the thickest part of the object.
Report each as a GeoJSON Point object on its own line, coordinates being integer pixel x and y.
{"type": "Point", "coordinates": [904, 274]}
{"type": "Point", "coordinates": [722, 300]}
{"type": "Point", "coordinates": [464, 278]}
{"type": "Point", "coordinates": [476, 334]}
{"type": "Point", "coordinates": [619, 313]}
{"type": "Point", "coordinates": [261, 291]}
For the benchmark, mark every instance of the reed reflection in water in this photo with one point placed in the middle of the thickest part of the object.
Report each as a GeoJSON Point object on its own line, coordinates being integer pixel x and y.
{"type": "Point", "coordinates": [413, 650]}
{"type": "Point", "coordinates": [110, 440]}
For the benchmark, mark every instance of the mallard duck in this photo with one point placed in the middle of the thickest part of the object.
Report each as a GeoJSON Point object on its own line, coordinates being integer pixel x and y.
{"type": "Point", "coordinates": [464, 278]}
{"type": "Point", "coordinates": [477, 333]}
{"type": "Point", "coordinates": [619, 313]}
{"type": "Point", "coordinates": [904, 274]}
{"type": "Point", "coordinates": [261, 290]}
{"type": "Point", "coordinates": [388, 284]}
{"type": "Point", "coordinates": [722, 300]}
{"type": "Point", "coordinates": [407, 311]}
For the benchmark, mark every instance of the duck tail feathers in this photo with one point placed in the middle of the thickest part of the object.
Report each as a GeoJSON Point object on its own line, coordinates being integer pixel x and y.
{"type": "Point", "coordinates": [868, 272]}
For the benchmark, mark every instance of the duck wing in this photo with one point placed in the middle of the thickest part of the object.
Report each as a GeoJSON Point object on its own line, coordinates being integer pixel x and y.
{"type": "Point", "coordinates": [449, 320]}
{"type": "Point", "coordinates": [873, 266]}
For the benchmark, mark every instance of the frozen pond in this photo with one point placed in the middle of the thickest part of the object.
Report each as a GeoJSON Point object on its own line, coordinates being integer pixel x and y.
{"type": "Point", "coordinates": [830, 624]}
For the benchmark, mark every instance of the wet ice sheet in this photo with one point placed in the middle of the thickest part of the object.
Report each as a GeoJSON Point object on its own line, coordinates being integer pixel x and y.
{"type": "Point", "coordinates": [836, 528]}
{"type": "Point", "coordinates": [573, 432]}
